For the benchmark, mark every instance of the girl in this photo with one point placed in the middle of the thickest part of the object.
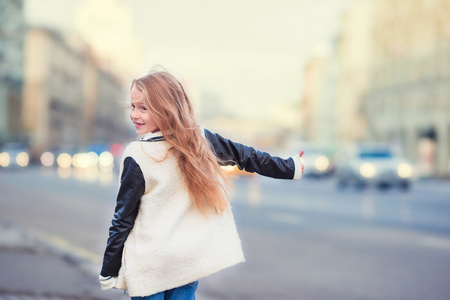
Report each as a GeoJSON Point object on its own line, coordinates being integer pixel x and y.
{"type": "Point", "coordinates": [173, 223]}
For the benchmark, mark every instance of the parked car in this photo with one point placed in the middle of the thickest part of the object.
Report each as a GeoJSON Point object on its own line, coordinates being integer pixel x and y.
{"type": "Point", "coordinates": [371, 164]}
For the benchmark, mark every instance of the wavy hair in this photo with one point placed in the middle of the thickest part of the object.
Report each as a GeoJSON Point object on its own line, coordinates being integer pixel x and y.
{"type": "Point", "coordinates": [172, 111]}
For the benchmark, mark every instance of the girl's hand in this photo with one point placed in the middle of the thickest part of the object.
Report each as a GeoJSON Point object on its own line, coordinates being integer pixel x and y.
{"type": "Point", "coordinates": [303, 163]}
{"type": "Point", "coordinates": [107, 283]}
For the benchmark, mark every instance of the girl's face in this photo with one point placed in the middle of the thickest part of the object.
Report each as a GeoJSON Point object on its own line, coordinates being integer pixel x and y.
{"type": "Point", "coordinates": [140, 115]}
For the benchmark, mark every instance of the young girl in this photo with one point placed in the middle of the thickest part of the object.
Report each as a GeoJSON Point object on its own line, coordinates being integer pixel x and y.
{"type": "Point", "coordinates": [173, 223]}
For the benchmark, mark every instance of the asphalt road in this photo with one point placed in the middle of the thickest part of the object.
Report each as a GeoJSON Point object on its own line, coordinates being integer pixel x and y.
{"type": "Point", "coordinates": [302, 240]}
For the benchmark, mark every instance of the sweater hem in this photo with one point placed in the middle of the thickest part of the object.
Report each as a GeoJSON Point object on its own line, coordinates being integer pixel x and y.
{"type": "Point", "coordinates": [184, 281]}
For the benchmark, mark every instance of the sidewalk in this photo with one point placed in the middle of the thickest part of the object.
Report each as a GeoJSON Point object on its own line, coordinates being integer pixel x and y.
{"type": "Point", "coordinates": [33, 269]}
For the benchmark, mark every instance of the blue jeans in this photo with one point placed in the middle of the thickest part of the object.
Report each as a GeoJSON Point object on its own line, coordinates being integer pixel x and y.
{"type": "Point", "coordinates": [185, 292]}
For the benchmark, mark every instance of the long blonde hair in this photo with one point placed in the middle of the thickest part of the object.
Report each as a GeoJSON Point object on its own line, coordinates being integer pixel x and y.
{"type": "Point", "coordinates": [172, 111]}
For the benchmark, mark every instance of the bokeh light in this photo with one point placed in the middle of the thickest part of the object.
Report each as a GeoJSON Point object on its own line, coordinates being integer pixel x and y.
{"type": "Point", "coordinates": [405, 170]}
{"type": "Point", "coordinates": [47, 159]}
{"type": "Point", "coordinates": [64, 160]}
{"type": "Point", "coordinates": [22, 159]}
{"type": "Point", "coordinates": [4, 159]}
{"type": "Point", "coordinates": [322, 163]}
{"type": "Point", "coordinates": [106, 160]}
{"type": "Point", "coordinates": [368, 170]}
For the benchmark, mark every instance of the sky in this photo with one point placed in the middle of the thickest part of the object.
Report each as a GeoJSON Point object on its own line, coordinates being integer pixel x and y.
{"type": "Point", "coordinates": [249, 54]}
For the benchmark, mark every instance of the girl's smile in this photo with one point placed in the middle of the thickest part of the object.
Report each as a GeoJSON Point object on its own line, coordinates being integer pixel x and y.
{"type": "Point", "coordinates": [138, 125]}
{"type": "Point", "coordinates": [140, 115]}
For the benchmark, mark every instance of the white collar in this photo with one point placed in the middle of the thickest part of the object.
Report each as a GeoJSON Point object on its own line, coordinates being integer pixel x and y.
{"type": "Point", "coordinates": [151, 135]}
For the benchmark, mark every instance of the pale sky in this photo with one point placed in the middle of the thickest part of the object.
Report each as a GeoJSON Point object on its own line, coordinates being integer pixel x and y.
{"type": "Point", "coordinates": [248, 53]}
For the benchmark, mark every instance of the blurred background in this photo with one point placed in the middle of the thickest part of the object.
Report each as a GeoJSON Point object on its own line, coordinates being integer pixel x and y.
{"type": "Point", "coordinates": [362, 86]}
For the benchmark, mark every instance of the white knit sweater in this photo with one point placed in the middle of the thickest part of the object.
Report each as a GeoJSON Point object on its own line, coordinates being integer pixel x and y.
{"type": "Point", "coordinates": [172, 243]}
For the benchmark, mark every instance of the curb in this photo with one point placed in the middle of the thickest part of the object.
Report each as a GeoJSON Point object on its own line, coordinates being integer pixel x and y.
{"type": "Point", "coordinates": [35, 268]}
{"type": "Point", "coordinates": [15, 239]}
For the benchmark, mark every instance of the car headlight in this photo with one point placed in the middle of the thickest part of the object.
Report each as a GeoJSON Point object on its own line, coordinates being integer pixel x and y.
{"type": "Point", "coordinates": [321, 163]}
{"type": "Point", "coordinates": [404, 170]}
{"type": "Point", "coordinates": [368, 170]}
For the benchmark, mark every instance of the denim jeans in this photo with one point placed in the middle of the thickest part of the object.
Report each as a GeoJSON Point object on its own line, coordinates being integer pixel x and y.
{"type": "Point", "coordinates": [185, 292]}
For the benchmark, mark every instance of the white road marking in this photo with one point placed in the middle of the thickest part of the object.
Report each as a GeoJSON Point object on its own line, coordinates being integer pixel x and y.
{"type": "Point", "coordinates": [67, 247]}
{"type": "Point", "coordinates": [436, 242]}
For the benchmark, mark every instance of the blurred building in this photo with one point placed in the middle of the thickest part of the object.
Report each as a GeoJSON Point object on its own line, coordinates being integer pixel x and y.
{"type": "Point", "coordinates": [318, 105]}
{"type": "Point", "coordinates": [12, 34]}
{"type": "Point", "coordinates": [68, 101]}
{"type": "Point", "coordinates": [392, 83]}
{"type": "Point", "coordinates": [311, 101]}
{"type": "Point", "coordinates": [263, 134]}
{"type": "Point", "coordinates": [336, 79]}
{"type": "Point", "coordinates": [409, 96]}
{"type": "Point", "coordinates": [112, 122]}
{"type": "Point", "coordinates": [354, 56]}
{"type": "Point", "coordinates": [107, 26]}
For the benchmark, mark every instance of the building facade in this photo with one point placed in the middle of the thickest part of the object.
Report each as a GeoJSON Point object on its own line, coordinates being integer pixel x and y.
{"type": "Point", "coordinates": [314, 108]}
{"type": "Point", "coordinates": [354, 56]}
{"type": "Point", "coordinates": [107, 26]}
{"type": "Point", "coordinates": [336, 79]}
{"type": "Point", "coordinates": [409, 97]}
{"type": "Point", "coordinates": [12, 34]}
{"type": "Point", "coordinates": [66, 96]}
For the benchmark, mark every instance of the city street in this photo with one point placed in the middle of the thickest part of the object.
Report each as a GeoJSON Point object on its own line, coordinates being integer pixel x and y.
{"type": "Point", "coordinates": [361, 87]}
{"type": "Point", "coordinates": [302, 240]}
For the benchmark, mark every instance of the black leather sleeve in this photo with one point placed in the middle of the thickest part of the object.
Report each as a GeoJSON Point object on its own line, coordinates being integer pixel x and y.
{"type": "Point", "coordinates": [132, 187]}
{"type": "Point", "coordinates": [249, 159]}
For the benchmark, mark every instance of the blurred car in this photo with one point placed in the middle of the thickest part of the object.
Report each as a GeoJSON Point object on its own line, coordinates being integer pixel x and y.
{"type": "Point", "coordinates": [14, 154]}
{"type": "Point", "coordinates": [317, 163]}
{"type": "Point", "coordinates": [316, 160]}
{"type": "Point", "coordinates": [373, 165]}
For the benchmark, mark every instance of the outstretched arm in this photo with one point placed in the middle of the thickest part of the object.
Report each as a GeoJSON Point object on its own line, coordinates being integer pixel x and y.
{"type": "Point", "coordinates": [251, 160]}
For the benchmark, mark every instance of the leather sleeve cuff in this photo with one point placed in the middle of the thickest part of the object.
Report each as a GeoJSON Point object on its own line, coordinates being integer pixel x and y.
{"type": "Point", "coordinates": [298, 162]}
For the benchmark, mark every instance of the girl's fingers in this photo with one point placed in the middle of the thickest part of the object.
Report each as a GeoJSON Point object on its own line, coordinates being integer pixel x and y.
{"type": "Point", "coordinates": [303, 163]}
